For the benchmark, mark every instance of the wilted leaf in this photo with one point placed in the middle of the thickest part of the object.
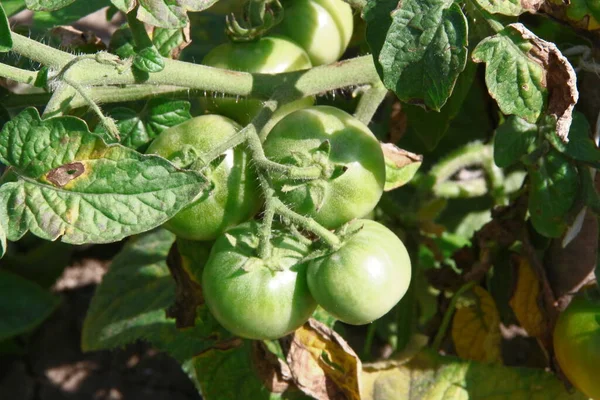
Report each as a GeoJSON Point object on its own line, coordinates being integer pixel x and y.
{"type": "Point", "coordinates": [68, 182]}
{"type": "Point", "coordinates": [510, 7]}
{"type": "Point", "coordinates": [525, 301]}
{"type": "Point", "coordinates": [47, 5]}
{"type": "Point", "coordinates": [322, 364]}
{"type": "Point", "coordinates": [76, 40]}
{"type": "Point", "coordinates": [429, 376]}
{"type": "Point", "coordinates": [170, 42]}
{"type": "Point", "coordinates": [527, 75]}
{"type": "Point", "coordinates": [400, 166]}
{"type": "Point", "coordinates": [476, 329]}
{"type": "Point", "coordinates": [23, 305]}
{"type": "Point", "coordinates": [514, 139]}
{"type": "Point", "coordinates": [553, 188]}
{"type": "Point", "coordinates": [5, 35]}
{"type": "Point", "coordinates": [164, 13]}
{"type": "Point", "coordinates": [419, 47]}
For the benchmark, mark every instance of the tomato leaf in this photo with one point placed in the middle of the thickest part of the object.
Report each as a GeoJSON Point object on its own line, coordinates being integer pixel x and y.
{"type": "Point", "coordinates": [2, 237]}
{"type": "Point", "coordinates": [137, 129]}
{"type": "Point", "coordinates": [170, 42]}
{"type": "Point", "coordinates": [163, 13]}
{"type": "Point", "coordinates": [584, 13]}
{"type": "Point", "coordinates": [66, 15]}
{"type": "Point", "coordinates": [554, 186]}
{"type": "Point", "coordinates": [514, 139]}
{"type": "Point", "coordinates": [429, 376]}
{"type": "Point", "coordinates": [5, 35]}
{"type": "Point", "coordinates": [510, 7]}
{"type": "Point", "coordinates": [581, 146]}
{"type": "Point", "coordinates": [400, 166]}
{"type": "Point", "coordinates": [149, 60]}
{"type": "Point", "coordinates": [23, 305]}
{"type": "Point", "coordinates": [47, 5]}
{"type": "Point", "coordinates": [11, 7]}
{"type": "Point", "coordinates": [525, 301]}
{"type": "Point", "coordinates": [419, 47]}
{"type": "Point", "coordinates": [68, 182]}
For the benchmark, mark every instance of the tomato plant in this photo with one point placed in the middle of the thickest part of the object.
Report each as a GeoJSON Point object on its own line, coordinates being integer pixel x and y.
{"type": "Point", "coordinates": [348, 154]}
{"type": "Point", "coordinates": [577, 344]}
{"type": "Point", "coordinates": [287, 197]}
{"type": "Point", "coordinates": [233, 197]}
{"type": "Point", "coordinates": [363, 279]}
{"type": "Point", "coordinates": [254, 297]}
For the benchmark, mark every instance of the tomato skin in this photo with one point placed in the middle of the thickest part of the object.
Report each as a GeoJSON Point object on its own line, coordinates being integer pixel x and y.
{"type": "Point", "coordinates": [268, 55]}
{"type": "Point", "coordinates": [577, 344]}
{"type": "Point", "coordinates": [351, 195]}
{"type": "Point", "coordinates": [364, 278]}
{"type": "Point", "coordinates": [322, 27]}
{"type": "Point", "coordinates": [260, 303]}
{"type": "Point", "coordinates": [235, 196]}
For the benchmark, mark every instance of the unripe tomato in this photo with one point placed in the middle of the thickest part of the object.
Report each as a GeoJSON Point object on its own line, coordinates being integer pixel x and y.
{"type": "Point", "coordinates": [268, 55]}
{"type": "Point", "coordinates": [322, 27]}
{"type": "Point", "coordinates": [234, 196]}
{"type": "Point", "coordinates": [365, 277]}
{"type": "Point", "coordinates": [577, 344]}
{"type": "Point", "coordinates": [255, 298]}
{"type": "Point", "coordinates": [352, 162]}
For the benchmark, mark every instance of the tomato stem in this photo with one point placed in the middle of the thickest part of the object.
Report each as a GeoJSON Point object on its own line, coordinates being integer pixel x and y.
{"type": "Point", "coordinates": [369, 102]}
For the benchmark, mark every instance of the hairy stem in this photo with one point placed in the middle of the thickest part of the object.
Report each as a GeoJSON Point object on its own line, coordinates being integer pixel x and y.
{"type": "Point", "coordinates": [18, 74]}
{"type": "Point", "coordinates": [369, 102]}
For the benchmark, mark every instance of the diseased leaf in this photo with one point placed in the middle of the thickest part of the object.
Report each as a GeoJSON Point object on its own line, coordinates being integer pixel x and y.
{"type": "Point", "coordinates": [138, 128]}
{"type": "Point", "coordinates": [47, 5]}
{"type": "Point", "coordinates": [419, 47]}
{"type": "Point", "coordinates": [514, 139]}
{"type": "Point", "coordinates": [476, 329]}
{"type": "Point", "coordinates": [69, 183]}
{"type": "Point", "coordinates": [23, 305]}
{"type": "Point", "coordinates": [510, 7]}
{"type": "Point", "coordinates": [525, 301]}
{"type": "Point", "coordinates": [584, 13]}
{"type": "Point", "coordinates": [321, 363]}
{"type": "Point", "coordinates": [400, 166]}
{"type": "Point", "coordinates": [429, 376]}
{"type": "Point", "coordinates": [5, 35]}
{"type": "Point", "coordinates": [527, 76]}
{"type": "Point", "coordinates": [170, 42]}
{"type": "Point", "coordinates": [67, 37]}
{"type": "Point", "coordinates": [149, 60]}
{"type": "Point", "coordinates": [164, 13]}
{"type": "Point", "coordinates": [581, 146]}
{"type": "Point", "coordinates": [553, 188]}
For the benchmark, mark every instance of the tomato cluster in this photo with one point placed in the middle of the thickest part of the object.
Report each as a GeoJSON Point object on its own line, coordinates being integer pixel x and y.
{"type": "Point", "coordinates": [265, 294]}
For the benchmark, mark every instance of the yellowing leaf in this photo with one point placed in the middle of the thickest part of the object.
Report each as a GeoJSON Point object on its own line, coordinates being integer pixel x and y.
{"type": "Point", "coordinates": [524, 301]}
{"type": "Point", "coordinates": [322, 364]}
{"type": "Point", "coordinates": [476, 329]}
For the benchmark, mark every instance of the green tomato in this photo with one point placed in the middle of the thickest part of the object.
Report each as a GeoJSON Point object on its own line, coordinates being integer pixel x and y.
{"type": "Point", "coordinates": [234, 196]}
{"type": "Point", "coordinates": [255, 298]}
{"type": "Point", "coordinates": [322, 27]}
{"type": "Point", "coordinates": [348, 153]}
{"type": "Point", "coordinates": [268, 55]}
{"type": "Point", "coordinates": [365, 277]}
{"type": "Point", "coordinates": [577, 344]}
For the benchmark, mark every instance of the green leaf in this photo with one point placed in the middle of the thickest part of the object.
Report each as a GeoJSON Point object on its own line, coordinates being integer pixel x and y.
{"type": "Point", "coordinates": [587, 11]}
{"type": "Point", "coordinates": [581, 146]}
{"type": "Point", "coordinates": [514, 139]}
{"type": "Point", "coordinates": [5, 35]}
{"type": "Point", "coordinates": [429, 376]}
{"type": "Point", "coordinates": [164, 13]}
{"type": "Point", "coordinates": [47, 5]}
{"type": "Point", "coordinates": [400, 166]}
{"type": "Point", "coordinates": [23, 305]}
{"type": "Point", "coordinates": [138, 129]}
{"type": "Point", "coordinates": [69, 183]}
{"type": "Point", "coordinates": [419, 47]}
{"type": "Point", "coordinates": [149, 60]}
{"type": "Point", "coordinates": [121, 43]}
{"type": "Point", "coordinates": [508, 7]}
{"type": "Point", "coordinates": [11, 7]}
{"type": "Point", "coordinates": [553, 188]}
{"type": "Point", "coordinates": [43, 20]}
{"type": "Point", "coordinates": [514, 79]}
{"type": "Point", "coordinates": [130, 304]}
{"type": "Point", "coordinates": [170, 42]}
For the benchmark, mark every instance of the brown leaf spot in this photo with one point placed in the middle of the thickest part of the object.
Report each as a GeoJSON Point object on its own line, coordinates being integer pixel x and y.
{"type": "Point", "coordinates": [400, 157]}
{"type": "Point", "coordinates": [322, 364]}
{"type": "Point", "coordinates": [273, 372]}
{"type": "Point", "coordinates": [64, 174]}
{"type": "Point", "coordinates": [560, 77]}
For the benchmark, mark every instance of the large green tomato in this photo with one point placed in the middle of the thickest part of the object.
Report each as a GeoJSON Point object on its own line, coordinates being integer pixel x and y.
{"type": "Point", "coordinates": [365, 277]}
{"type": "Point", "coordinates": [348, 153]}
{"type": "Point", "coordinates": [268, 55]}
{"type": "Point", "coordinates": [255, 298]}
{"type": "Point", "coordinates": [322, 27]}
{"type": "Point", "coordinates": [234, 196]}
{"type": "Point", "coordinates": [577, 344]}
